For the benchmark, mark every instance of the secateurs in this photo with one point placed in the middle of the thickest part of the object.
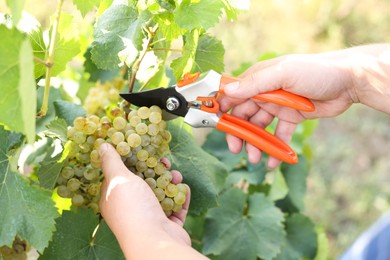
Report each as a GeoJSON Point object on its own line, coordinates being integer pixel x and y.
{"type": "Point", "coordinates": [195, 98]}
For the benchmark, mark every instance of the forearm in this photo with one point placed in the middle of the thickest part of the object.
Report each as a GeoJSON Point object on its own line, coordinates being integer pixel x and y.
{"type": "Point", "coordinates": [370, 75]}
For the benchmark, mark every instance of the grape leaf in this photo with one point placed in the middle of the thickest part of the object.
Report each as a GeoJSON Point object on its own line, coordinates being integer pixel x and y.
{"type": "Point", "coordinates": [18, 95]}
{"type": "Point", "coordinates": [75, 238]}
{"type": "Point", "coordinates": [301, 240]}
{"type": "Point", "coordinates": [185, 63]}
{"type": "Point", "coordinates": [57, 128]}
{"type": "Point", "coordinates": [295, 176]}
{"type": "Point", "coordinates": [198, 14]}
{"type": "Point", "coordinates": [49, 170]}
{"type": "Point", "coordinates": [167, 4]}
{"type": "Point", "coordinates": [26, 210]}
{"type": "Point", "coordinates": [201, 171]}
{"type": "Point", "coordinates": [209, 54]}
{"type": "Point", "coordinates": [85, 6]}
{"type": "Point", "coordinates": [243, 227]}
{"type": "Point", "coordinates": [216, 144]}
{"type": "Point", "coordinates": [68, 110]}
{"type": "Point", "coordinates": [55, 95]}
{"type": "Point", "coordinates": [278, 189]}
{"type": "Point", "coordinates": [16, 7]}
{"type": "Point", "coordinates": [119, 29]}
{"type": "Point", "coordinates": [230, 10]}
{"type": "Point", "coordinates": [95, 73]}
{"type": "Point", "coordinates": [167, 26]}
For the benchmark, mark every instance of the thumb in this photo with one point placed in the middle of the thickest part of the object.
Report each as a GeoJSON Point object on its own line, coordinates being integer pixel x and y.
{"type": "Point", "coordinates": [255, 83]}
{"type": "Point", "coordinates": [112, 164]}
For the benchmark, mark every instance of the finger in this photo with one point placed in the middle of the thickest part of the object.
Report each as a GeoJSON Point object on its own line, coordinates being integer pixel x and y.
{"type": "Point", "coordinates": [259, 81]}
{"type": "Point", "coordinates": [112, 164]}
{"type": "Point", "coordinates": [165, 161]}
{"type": "Point", "coordinates": [180, 217]}
{"type": "Point", "coordinates": [176, 177]}
{"type": "Point", "coordinates": [284, 131]}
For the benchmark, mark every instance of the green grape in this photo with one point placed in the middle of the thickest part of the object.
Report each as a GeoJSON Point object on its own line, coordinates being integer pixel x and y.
{"type": "Point", "coordinates": [91, 140]}
{"type": "Point", "coordinates": [111, 131]}
{"type": "Point", "coordinates": [123, 148]}
{"type": "Point", "coordinates": [153, 129]}
{"type": "Point", "coordinates": [141, 166]}
{"type": "Point", "coordinates": [77, 200]}
{"type": "Point", "coordinates": [67, 172]}
{"type": "Point", "coordinates": [73, 184]}
{"type": "Point", "coordinates": [151, 162]}
{"type": "Point", "coordinates": [134, 121]}
{"type": "Point", "coordinates": [151, 182]}
{"type": "Point", "coordinates": [162, 182]}
{"type": "Point", "coordinates": [78, 123]}
{"type": "Point", "coordinates": [114, 112]}
{"type": "Point", "coordinates": [129, 132]}
{"type": "Point", "coordinates": [162, 125]}
{"type": "Point", "coordinates": [100, 133]}
{"type": "Point", "coordinates": [93, 189]}
{"type": "Point", "coordinates": [98, 142]}
{"type": "Point", "coordinates": [168, 175]}
{"type": "Point", "coordinates": [156, 140]}
{"type": "Point", "coordinates": [177, 207]}
{"type": "Point", "coordinates": [139, 174]}
{"type": "Point", "coordinates": [171, 190]}
{"type": "Point", "coordinates": [142, 155]}
{"type": "Point", "coordinates": [155, 108]}
{"type": "Point", "coordinates": [182, 188]}
{"type": "Point", "coordinates": [160, 168]}
{"type": "Point", "coordinates": [145, 140]}
{"type": "Point", "coordinates": [105, 126]}
{"type": "Point", "coordinates": [85, 147]}
{"type": "Point", "coordinates": [61, 180]}
{"type": "Point", "coordinates": [117, 137]}
{"type": "Point", "coordinates": [168, 213]}
{"type": "Point", "coordinates": [70, 132]}
{"type": "Point", "coordinates": [141, 128]}
{"type": "Point", "coordinates": [89, 128]}
{"type": "Point", "coordinates": [95, 157]}
{"type": "Point", "coordinates": [94, 118]}
{"type": "Point", "coordinates": [131, 114]}
{"type": "Point", "coordinates": [83, 158]}
{"type": "Point", "coordinates": [131, 161]}
{"type": "Point", "coordinates": [134, 140]}
{"type": "Point", "coordinates": [127, 127]}
{"type": "Point", "coordinates": [166, 136]}
{"type": "Point", "coordinates": [160, 194]}
{"type": "Point", "coordinates": [79, 171]}
{"type": "Point", "coordinates": [180, 198]}
{"type": "Point", "coordinates": [113, 94]}
{"type": "Point", "coordinates": [167, 204]}
{"type": "Point", "coordinates": [155, 117]}
{"type": "Point", "coordinates": [151, 150]}
{"type": "Point", "coordinates": [91, 174]}
{"type": "Point", "coordinates": [119, 123]}
{"type": "Point", "coordinates": [79, 137]}
{"type": "Point", "coordinates": [163, 149]}
{"type": "Point", "coordinates": [149, 173]}
{"type": "Point", "coordinates": [94, 206]}
{"type": "Point", "coordinates": [64, 192]}
{"type": "Point", "coordinates": [143, 112]}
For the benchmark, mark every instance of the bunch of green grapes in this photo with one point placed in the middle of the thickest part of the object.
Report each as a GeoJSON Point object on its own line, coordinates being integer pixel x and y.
{"type": "Point", "coordinates": [103, 95]}
{"type": "Point", "coordinates": [140, 137]}
{"type": "Point", "coordinates": [18, 251]}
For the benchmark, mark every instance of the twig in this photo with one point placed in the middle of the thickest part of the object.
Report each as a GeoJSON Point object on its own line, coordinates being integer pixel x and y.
{"type": "Point", "coordinates": [44, 63]}
{"type": "Point", "coordinates": [50, 60]}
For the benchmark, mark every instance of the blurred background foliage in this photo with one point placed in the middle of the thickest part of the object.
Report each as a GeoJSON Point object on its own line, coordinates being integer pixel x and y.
{"type": "Point", "coordinates": [348, 182]}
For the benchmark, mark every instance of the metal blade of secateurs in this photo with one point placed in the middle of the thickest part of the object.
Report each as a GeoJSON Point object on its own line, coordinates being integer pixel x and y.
{"type": "Point", "coordinates": [159, 98]}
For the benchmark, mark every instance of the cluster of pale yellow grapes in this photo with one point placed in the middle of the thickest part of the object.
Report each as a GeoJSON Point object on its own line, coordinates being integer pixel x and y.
{"type": "Point", "coordinates": [140, 137]}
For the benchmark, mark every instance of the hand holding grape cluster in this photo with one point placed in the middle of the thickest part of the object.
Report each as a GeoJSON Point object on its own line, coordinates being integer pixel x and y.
{"type": "Point", "coordinates": [142, 140]}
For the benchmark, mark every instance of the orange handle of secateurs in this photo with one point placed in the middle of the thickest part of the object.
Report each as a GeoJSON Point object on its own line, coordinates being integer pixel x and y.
{"type": "Point", "coordinates": [280, 97]}
{"type": "Point", "coordinates": [258, 137]}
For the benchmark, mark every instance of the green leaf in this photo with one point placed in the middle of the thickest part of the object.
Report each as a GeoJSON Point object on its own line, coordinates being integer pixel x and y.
{"type": "Point", "coordinates": [55, 95]}
{"type": "Point", "coordinates": [209, 54]}
{"type": "Point", "coordinates": [167, 4]}
{"type": "Point", "coordinates": [243, 227]}
{"type": "Point", "coordinates": [18, 95]}
{"type": "Point", "coordinates": [167, 26]}
{"type": "Point", "coordinates": [26, 210]}
{"type": "Point", "coordinates": [49, 170]}
{"type": "Point", "coordinates": [68, 110]}
{"type": "Point", "coordinates": [85, 6]}
{"type": "Point", "coordinates": [194, 225]}
{"type": "Point", "coordinates": [295, 176]}
{"type": "Point", "coordinates": [198, 14]}
{"type": "Point", "coordinates": [75, 238]}
{"type": "Point", "coordinates": [201, 171]}
{"type": "Point", "coordinates": [322, 244]}
{"type": "Point", "coordinates": [16, 7]}
{"type": "Point", "coordinates": [230, 10]}
{"type": "Point", "coordinates": [95, 73]}
{"type": "Point", "coordinates": [186, 62]}
{"type": "Point", "coordinates": [278, 189]}
{"type": "Point", "coordinates": [119, 29]}
{"type": "Point", "coordinates": [301, 240]}
{"type": "Point", "coordinates": [58, 128]}
{"type": "Point", "coordinates": [216, 144]}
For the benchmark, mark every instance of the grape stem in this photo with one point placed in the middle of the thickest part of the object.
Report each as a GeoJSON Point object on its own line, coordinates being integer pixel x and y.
{"type": "Point", "coordinates": [135, 67]}
{"type": "Point", "coordinates": [49, 61]}
{"type": "Point", "coordinates": [36, 59]}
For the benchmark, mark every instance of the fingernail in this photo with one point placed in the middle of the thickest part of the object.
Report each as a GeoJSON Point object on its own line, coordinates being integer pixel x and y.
{"type": "Point", "coordinates": [103, 149]}
{"type": "Point", "coordinates": [232, 86]}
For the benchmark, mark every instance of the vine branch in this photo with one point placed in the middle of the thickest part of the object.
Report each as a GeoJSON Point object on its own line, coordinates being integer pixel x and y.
{"type": "Point", "coordinates": [49, 61]}
{"type": "Point", "coordinates": [135, 67]}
